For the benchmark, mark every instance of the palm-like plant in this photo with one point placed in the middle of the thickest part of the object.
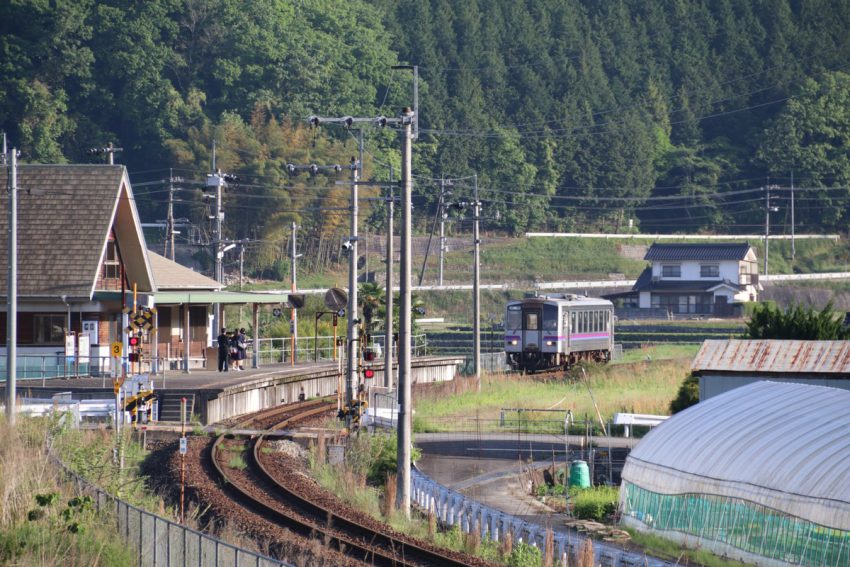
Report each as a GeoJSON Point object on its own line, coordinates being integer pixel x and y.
{"type": "Point", "coordinates": [370, 298]}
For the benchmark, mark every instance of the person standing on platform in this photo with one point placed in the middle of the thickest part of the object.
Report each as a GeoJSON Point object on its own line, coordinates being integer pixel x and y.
{"type": "Point", "coordinates": [234, 349]}
{"type": "Point", "coordinates": [242, 348]}
{"type": "Point", "coordinates": [223, 350]}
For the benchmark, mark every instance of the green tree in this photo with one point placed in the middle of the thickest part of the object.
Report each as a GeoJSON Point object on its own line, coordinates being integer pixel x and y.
{"type": "Point", "coordinates": [796, 323]}
{"type": "Point", "coordinates": [811, 136]}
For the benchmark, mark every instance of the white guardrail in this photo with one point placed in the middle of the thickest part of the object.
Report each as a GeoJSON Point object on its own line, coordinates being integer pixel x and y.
{"type": "Point", "coordinates": [453, 508]}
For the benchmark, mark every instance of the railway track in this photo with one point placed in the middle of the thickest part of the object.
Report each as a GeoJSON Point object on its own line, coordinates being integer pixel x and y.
{"type": "Point", "coordinates": [292, 501]}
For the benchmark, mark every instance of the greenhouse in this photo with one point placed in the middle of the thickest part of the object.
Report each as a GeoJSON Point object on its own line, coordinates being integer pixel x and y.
{"type": "Point", "coordinates": [760, 474]}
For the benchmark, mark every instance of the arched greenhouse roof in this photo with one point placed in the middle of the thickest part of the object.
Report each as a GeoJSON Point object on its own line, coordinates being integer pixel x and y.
{"type": "Point", "coordinates": [785, 446]}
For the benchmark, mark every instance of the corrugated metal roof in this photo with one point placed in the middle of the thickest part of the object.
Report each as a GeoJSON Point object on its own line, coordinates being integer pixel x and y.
{"type": "Point", "coordinates": [810, 357]}
{"type": "Point", "coordinates": [783, 445]}
{"type": "Point", "coordinates": [706, 252]}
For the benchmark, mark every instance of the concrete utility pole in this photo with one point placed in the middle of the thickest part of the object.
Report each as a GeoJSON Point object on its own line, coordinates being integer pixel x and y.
{"type": "Point", "coordinates": [350, 375]}
{"type": "Point", "coordinates": [441, 210]}
{"type": "Point", "coordinates": [12, 292]}
{"type": "Point", "coordinates": [293, 315]}
{"type": "Point", "coordinates": [404, 335]}
{"type": "Point", "coordinates": [169, 228]}
{"type": "Point", "coordinates": [388, 325]}
{"type": "Point", "coordinates": [793, 245]}
{"type": "Point", "coordinates": [216, 181]}
{"type": "Point", "coordinates": [767, 210]}
{"type": "Point", "coordinates": [476, 281]}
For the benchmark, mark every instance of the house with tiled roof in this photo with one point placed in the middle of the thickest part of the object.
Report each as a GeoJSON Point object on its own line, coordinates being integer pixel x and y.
{"type": "Point", "coordinates": [699, 279]}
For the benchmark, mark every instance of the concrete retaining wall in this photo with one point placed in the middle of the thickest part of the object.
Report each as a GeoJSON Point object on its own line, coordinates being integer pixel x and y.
{"type": "Point", "coordinates": [268, 392]}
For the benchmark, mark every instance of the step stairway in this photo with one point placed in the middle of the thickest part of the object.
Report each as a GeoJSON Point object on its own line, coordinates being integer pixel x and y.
{"type": "Point", "coordinates": [169, 405]}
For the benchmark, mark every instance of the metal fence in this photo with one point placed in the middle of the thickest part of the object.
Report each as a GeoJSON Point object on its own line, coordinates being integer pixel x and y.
{"type": "Point", "coordinates": [158, 542]}
{"type": "Point", "coordinates": [279, 350]}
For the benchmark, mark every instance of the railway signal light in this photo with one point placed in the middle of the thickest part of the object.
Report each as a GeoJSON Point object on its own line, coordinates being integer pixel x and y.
{"type": "Point", "coordinates": [368, 355]}
{"type": "Point", "coordinates": [133, 341]}
{"type": "Point", "coordinates": [368, 373]}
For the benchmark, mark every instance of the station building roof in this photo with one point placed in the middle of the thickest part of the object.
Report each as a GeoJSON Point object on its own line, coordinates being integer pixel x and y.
{"type": "Point", "coordinates": [782, 445]}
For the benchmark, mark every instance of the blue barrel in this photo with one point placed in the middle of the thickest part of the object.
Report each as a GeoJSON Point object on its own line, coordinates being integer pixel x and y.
{"type": "Point", "coordinates": [579, 474]}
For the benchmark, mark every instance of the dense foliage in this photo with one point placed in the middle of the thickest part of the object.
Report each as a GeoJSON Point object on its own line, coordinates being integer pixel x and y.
{"type": "Point", "coordinates": [575, 114]}
{"type": "Point", "coordinates": [687, 396]}
{"type": "Point", "coordinates": [796, 323]}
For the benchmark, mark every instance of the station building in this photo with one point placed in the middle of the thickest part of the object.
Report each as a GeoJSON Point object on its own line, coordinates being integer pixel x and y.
{"type": "Point", "coordinates": [760, 474]}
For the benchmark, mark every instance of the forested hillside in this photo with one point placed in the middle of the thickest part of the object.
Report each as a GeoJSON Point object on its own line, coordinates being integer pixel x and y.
{"type": "Point", "coordinates": [575, 114]}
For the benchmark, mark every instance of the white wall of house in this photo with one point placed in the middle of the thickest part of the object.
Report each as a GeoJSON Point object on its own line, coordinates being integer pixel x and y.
{"type": "Point", "coordinates": [692, 271]}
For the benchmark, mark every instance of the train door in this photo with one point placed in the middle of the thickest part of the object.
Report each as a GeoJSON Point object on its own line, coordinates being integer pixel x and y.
{"type": "Point", "coordinates": [532, 326]}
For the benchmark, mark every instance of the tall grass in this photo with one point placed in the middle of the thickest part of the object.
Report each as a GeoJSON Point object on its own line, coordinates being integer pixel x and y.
{"type": "Point", "coordinates": [643, 387]}
{"type": "Point", "coordinates": [43, 521]}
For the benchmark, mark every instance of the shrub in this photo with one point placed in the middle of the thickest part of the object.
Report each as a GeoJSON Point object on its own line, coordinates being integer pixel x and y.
{"type": "Point", "coordinates": [687, 396]}
{"type": "Point", "coordinates": [594, 503]}
{"type": "Point", "coordinates": [524, 555]}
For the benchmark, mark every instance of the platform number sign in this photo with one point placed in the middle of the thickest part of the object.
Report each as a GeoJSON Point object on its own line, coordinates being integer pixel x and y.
{"type": "Point", "coordinates": [116, 349]}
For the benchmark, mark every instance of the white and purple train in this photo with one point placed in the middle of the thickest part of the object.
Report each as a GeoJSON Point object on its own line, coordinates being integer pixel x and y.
{"type": "Point", "coordinates": [557, 331]}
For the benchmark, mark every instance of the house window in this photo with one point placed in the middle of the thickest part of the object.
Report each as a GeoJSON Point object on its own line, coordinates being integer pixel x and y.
{"type": "Point", "coordinates": [48, 328]}
{"type": "Point", "coordinates": [709, 271]}
{"type": "Point", "coordinates": [671, 271]}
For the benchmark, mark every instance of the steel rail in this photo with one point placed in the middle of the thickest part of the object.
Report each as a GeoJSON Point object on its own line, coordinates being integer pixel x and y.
{"type": "Point", "coordinates": [337, 531]}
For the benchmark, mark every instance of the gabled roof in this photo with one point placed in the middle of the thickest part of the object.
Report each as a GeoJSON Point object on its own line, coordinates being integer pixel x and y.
{"type": "Point", "coordinates": [645, 283]}
{"type": "Point", "coordinates": [700, 252]}
{"type": "Point", "coordinates": [65, 213]}
{"type": "Point", "coordinates": [171, 276]}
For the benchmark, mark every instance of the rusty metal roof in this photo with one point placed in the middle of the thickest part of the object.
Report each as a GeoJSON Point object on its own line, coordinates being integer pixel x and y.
{"type": "Point", "coordinates": [810, 357]}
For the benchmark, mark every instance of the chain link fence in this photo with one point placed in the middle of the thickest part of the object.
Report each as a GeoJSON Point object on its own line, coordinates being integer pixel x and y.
{"type": "Point", "coordinates": [158, 542]}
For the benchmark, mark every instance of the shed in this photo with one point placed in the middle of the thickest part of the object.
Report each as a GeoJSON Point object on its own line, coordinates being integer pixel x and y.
{"type": "Point", "coordinates": [724, 365]}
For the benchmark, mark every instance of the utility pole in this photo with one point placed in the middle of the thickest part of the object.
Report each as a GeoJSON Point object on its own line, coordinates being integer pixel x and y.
{"type": "Point", "coordinates": [476, 281]}
{"type": "Point", "coordinates": [293, 316]}
{"type": "Point", "coordinates": [388, 325]}
{"type": "Point", "coordinates": [108, 150]}
{"type": "Point", "coordinates": [406, 120]}
{"type": "Point", "coordinates": [350, 375]}
{"type": "Point", "coordinates": [442, 212]}
{"type": "Point", "coordinates": [216, 181]}
{"type": "Point", "coordinates": [793, 245]}
{"type": "Point", "coordinates": [767, 210]}
{"type": "Point", "coordinates": [12, 292]}
{"type": "Point", "coordinates": [404, 335]}
{"type": "Point", "coordinates": [169, 222]}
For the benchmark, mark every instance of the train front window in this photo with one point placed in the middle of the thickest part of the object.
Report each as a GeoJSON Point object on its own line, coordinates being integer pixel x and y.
{"type": "Point", "coordinates": [531, 322]}
{"type": "Point", "coordinates": [550, 318]}
{"type": "Point", "coordinates": [514, 317]}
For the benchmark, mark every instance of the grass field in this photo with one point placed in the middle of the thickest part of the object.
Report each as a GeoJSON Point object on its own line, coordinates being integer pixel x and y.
{"type": "Point", "coordinates": [647, 387]}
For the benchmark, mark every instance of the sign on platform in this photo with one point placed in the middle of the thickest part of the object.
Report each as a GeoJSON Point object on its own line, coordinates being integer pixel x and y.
{"type": "Point", "coordinates": [117, 348]}
{"type": "Point", "coordinates": [83, 349]}
{"type": "Point", "coordinates": [183, 446]}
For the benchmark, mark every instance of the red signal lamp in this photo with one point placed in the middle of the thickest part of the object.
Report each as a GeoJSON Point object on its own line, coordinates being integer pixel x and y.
{"type": "Point", "coordinates": [368, 373]}
{"type": "Point", "coordinates": [133, 341]}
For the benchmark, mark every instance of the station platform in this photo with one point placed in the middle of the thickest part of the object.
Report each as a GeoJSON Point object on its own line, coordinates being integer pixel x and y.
{"type": "Point", "coordinates": [214, 396]}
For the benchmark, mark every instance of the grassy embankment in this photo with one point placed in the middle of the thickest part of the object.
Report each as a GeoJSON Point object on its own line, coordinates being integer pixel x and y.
{"type": "Point", "coordinates": [43, 520]}
{"type": "Point", "coordinates": [646, 386]}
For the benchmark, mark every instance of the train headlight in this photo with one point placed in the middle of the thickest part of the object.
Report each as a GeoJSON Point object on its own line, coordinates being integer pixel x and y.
{"type": "Point", "coordinates": [550, 343]}
{"type": "Point", "coordinates": [514, 342]}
